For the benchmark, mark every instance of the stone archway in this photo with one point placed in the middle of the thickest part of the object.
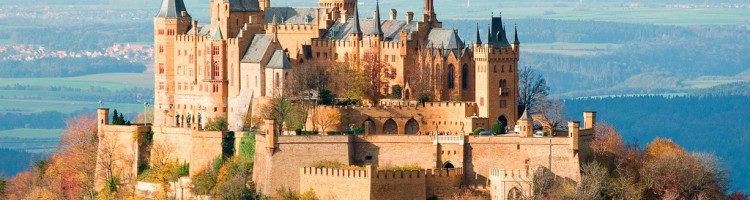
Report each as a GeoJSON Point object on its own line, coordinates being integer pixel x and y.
{"type": "Point", "coordinates": [411, 127]}
{"type": "Point", "coordinates": [448, 165]}
{"type": "Point", "coordinates": [515, 194]}
{"type": "Point", "coordinates": [369, 126]}
{"type": "Point", "coordinates": [390, 127]}
{"type": "Point", "coordinates": [503, 119]}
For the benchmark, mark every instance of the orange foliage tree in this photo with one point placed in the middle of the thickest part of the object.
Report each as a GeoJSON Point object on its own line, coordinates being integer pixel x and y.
{"type": "Point", "coordinates": [662, 146]}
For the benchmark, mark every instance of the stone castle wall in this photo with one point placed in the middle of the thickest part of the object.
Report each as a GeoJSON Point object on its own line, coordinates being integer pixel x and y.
{"type": "Point", "coordinates": [336, 183]}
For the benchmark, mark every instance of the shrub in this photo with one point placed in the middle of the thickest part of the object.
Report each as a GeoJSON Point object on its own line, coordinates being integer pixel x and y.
{"type": "Point", "coordinates": [409, 167]}
{"type": "Point", "coordinates": [325, 97]}
{"type": "Point", "coordinates": [498, 128]}
{"type": "Point", "coordinates": [217, 124]}
{"type": "Point", "coordinates": [395, 92]}
{"type": "Point", "coordinates": [335, 165]}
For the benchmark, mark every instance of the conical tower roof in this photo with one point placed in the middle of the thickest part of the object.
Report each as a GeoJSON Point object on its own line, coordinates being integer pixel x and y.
{"type": "Point", "coordinates": [172, 9]}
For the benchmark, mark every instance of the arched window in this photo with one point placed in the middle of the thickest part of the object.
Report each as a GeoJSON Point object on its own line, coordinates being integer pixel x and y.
{"type": "Point", "coordinates": [451, 77]}
{"type": "Point", "coordinates": [465, 77]}
{"type": "Point", "coordinates": [276, 80]}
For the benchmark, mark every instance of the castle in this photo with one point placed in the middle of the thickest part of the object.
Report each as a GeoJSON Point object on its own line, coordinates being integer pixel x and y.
{"type": "Point", "coordinates": [228, 68]}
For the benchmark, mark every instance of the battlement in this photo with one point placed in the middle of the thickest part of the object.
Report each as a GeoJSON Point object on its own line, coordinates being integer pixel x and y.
{"type": "Point", "coordinates": [445, 172]}
{"type": "Point", "coordinates": [409, 106]}
{"type": "Point", "coordinates": [499, 173]}
{"type": "Point", "coordinates": [292, 28]}
{"type": "Point", "coordinates": [387, 174]}
{"type": "Point", "coordinates": [330, 172]}
{"type": "Point", "coordinates": [448, 139]}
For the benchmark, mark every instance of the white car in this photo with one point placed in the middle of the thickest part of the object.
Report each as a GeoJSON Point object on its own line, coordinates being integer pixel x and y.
{"type": "Point", "coordinates": [539, 133]}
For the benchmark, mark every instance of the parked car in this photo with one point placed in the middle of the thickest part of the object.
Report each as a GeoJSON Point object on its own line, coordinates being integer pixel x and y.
{"type": "Point", "coordinates": [539, 133]}
{"type": "Point", "coordinates": [486, 133]}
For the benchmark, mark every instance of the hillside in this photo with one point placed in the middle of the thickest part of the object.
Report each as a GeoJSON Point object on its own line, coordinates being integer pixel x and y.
{"type": "Point", "coordinates": [712, 124]}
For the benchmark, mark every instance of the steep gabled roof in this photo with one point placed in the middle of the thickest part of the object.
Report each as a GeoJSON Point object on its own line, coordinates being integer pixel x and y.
{"type": "Point", "coordinates": [446, 38]}
{"type": "Point", "coordinates": [355, 25]}
{"type": "Point", "coordinates": [171, 9]}
{"type": "Point", "coordinates": [279, 60]}
{"type": "Point", "coordinates": [289, 15]}
{"type": "Point", "coordinates": [526, 115]}
{"type": "Point", "coordinates": [257, 48]}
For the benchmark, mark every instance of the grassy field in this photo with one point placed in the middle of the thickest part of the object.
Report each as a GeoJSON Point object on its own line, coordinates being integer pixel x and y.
{"type": "Point", "coordinates": [112, 81]}
{"type": "Point", "coordinates": [31, 133]}
{"type": "Point", "coordinates": [570, 49]}
{"type": "Point", "coordinates": [707, 83]}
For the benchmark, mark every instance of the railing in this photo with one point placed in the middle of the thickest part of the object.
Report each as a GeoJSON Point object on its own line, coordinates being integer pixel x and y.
{"type": "Point", "coordinates": [448, 139]}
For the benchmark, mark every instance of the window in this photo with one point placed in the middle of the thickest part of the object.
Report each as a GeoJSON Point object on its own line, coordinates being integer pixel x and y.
{"type": "Point", "coordinates": [451, 77]}
{"type": "Point", "coordinates": [161, 68]}
{"type": "Point", "coordinates": [393, 58]}
{"type": "Point", "coordinates": [161, 49]}
{"type": "Point", "coordinates": [503, 83]}
{"type": "Point", "coordinates": [465, 77]}
{"type": "Point", "coordinates": [161, 85]}
{"type": "Point", "coordinates": [216, 51]}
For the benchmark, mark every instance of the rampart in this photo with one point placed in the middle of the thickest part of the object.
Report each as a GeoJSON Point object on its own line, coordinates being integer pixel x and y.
{"type": "Point", "coordinates": [368, 183]}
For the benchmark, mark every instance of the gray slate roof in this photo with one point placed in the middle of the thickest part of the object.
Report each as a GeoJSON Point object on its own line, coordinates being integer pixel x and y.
{"type": "Point", "coordinates": [288, 15]}
{"type": "Point", "coordinates": [257, 48]}
{"type": "Point", "coordinates": [447, 38]}
{"type": "Point", "coordinates": [171, 9]}
{"type": "Point", "coordinates": [390, 28]}
{"type": "Point", "coordinates": [202, 29]}
{"type": "Point", "coordinates": [243, 5]}
{"type": "Point", "coordinates": [279, 60]}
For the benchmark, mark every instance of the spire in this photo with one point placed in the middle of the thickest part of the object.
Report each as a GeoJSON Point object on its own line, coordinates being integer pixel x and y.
{"type": "Point", "coordinates": [275, 29]}
{"type": "Point", "coordinates": [378, 30]}
{"type": "Point", "coordinates": [515, 35]}
{"type": "Point", "coordinates": [357, 28]}
{"type": "Point", "coordinates": [479, 38]}
{"type": "Point", "coordinates": [172, 9]}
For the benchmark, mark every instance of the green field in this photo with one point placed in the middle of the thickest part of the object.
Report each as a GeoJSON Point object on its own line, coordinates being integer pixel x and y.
{"type": "Point", "coordinates": [111, 81]}
{"type": "Point", "coordinates": [31, 133]}
{"type": "Point", "coordinates": [570, 49]}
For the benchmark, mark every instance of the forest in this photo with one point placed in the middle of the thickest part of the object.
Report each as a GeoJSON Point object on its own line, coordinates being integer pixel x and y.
{"type": "Point", "coordinates": [712, 124]}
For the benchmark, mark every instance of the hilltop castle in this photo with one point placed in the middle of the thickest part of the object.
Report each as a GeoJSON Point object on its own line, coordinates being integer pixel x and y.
{"type": "Point", "coordinates": [231, 66]}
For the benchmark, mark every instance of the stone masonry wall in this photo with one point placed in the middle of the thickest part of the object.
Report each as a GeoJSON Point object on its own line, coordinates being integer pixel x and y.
{"type": "Point", "coordinates": [336, 183]}
{"type": "Point", "coordinates": [399, 185]}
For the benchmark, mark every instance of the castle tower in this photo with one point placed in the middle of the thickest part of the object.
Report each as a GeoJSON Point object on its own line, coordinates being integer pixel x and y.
{"type": "Point", "coordinates": [496, 76]}
{"type": "Point", "coordinates": [171, 20]}
{"type": "Point", "coordinates": [516, 44]}
{"type": "Point", "coordinates": [264, 4]}
{"type": "Point", "coordinates": [342, 5]}
{"type": "Point", "coordinates": [231, 15]}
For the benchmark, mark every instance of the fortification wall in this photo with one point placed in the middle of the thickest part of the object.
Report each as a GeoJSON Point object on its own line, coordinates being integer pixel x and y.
{"type": "Point", "coordinates": [511, 152]}
{"type": "Point", "coordinates": [175, 142]}
{"type": "Point", "coordinates": [206, 145]}
{"type": "Point", "coordinates": [394, 150]}
{"type": "Point", "coordinates": [443, 183]}
{"type": "Point", "coordinates": [294, 152]}
{"type": "Point", "coordinates": [503, 181]}
{"type": "Point", "coordinates": [118, 147]}
{"type": "Point", "coordinates": [336, 183]}
{"type": "Point", "coordinates": [399, 185]}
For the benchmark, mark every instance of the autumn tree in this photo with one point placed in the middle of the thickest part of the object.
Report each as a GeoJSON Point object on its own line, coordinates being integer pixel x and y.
{"type": "Point", "coordinates": [531, 87]}
{"type": "Point", "coordinates": [663, 146]}
{"type": "Point", "coordinates": [324, 119]}
{"type": "Point", "coordinates": [306, 80]}
{"type": "Point", "coordinates": [419, 80]}
{"type": "Point", "coordinates": [374, 74]}
{"type": "Point", "coordinates": [347, 80]}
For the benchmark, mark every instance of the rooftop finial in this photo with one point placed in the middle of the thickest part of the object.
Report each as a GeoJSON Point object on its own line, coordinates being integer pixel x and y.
{"type": "Point", "coordinates": [478, 40]}
{"type": "Point", "coordinates": [515, 35]}
{"type": "Point", "coordinates": [378, 30]}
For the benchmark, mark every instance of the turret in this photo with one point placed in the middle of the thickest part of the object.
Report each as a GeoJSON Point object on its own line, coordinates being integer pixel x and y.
{"type": "Point", "coordinates": [357, 32]}
{"type": "Point", "coordinates": [377, 30]}
{"type": "Point", "coordinates": [589, 120]}
{"type": "Point", "coordinates": [478, 39]}
{"type": "Point", "coordinates": [516, 44]}
{"type": "Point", "coordinates": [574, 134]}
{"type": "Point", "coordinates": [526, 124]}
{"type": "Point", "coordinates": [102, 119]}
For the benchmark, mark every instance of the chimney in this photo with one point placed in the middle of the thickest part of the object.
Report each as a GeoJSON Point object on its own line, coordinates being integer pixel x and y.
{"type": "Point", "coordinates": [183, 13]}
{"type": "Point", "coordinates": [589, 119]}
{"type": "Point", "coordinates": [409, 17]}
{"type": "Point", "coordinates": [573, 133]}
{"type": "Point", "coordinates": [393, 14]}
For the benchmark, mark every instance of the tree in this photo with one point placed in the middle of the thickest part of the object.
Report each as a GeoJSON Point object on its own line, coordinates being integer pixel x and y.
{"type": "Point", "coordinates": [662, 146]}
{"type": "Point", "coordinates": [684, 176]}
{"type": "Point", "coordinates": [498, 128]}
{"type": "Point", "coordinates": [217, 124]}
{"type": "Point", "coordinates": [347, 80]}
{"type": "Point", "coordinates": [374, 74]}
{"type": "Point", "coordinates": [419, 81]}
{"type": "Point", "coordinates": [326, 118]}
{"type": "Point", "coordinates": [530, 86]}
{"type": "Point", "coordinates": [3, 182]}
{"type": "Point", "coordinates": [594, 178]}
{"type": "Point", "coordinates": [551, 110]}
{"type": "Point", "coordinates": [279, 109]}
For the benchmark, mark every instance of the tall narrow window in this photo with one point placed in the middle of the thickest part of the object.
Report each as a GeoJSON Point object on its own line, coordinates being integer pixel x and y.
{"type": "Point", "coordinates": [465, 77]}
{"type": "Point", "coordinates": [451, 77]}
